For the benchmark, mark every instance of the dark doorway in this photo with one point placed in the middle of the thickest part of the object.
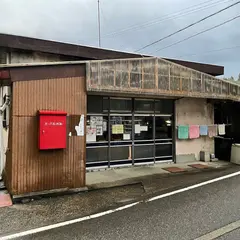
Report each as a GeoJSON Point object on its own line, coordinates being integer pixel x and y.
{"type": "Point", "coordinates": [228, 113]}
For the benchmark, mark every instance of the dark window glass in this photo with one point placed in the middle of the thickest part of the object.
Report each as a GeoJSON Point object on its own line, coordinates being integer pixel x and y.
{"type": "Point", "coordinates": [97, 154]}
{"type": "Point", "coordinates": [144, 161]}
{"type": "Point", "coordinates": [164, 106]}
{"type": "Point", "coordinates": [97, 104]}
{"type": "Point", "coordinates": [143, 127]}
{"type": "Point", "coordinates": [142, 151]}
{"type": "Point", "coordinates": [163, 150]}
{"type": "Point", "coordinates": [144, 105]}
{"type": "Point", "coordinates": [105, 104]}
{"type": "Point", "coordinates": [94, 104]}
{"type": "Point", "coordinates": [117, 163]}
{"type": "Point", "coordinates": [120, 105]}
{"type": "Point", "coordinates": [163, 126]}
{"type": "Point", "coordinates": [121, 153]}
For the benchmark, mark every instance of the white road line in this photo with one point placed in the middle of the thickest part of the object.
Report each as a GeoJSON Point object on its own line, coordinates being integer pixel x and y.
{"type": "Point", "coordinates": [221, 231]}
{"type": "Point", "coordinates": [97, 215]}
{"type": "Point", "coordinates": [194, 186]}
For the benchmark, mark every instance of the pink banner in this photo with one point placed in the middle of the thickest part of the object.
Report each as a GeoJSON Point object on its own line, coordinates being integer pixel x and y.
{"type": "Point", "coordinates": [194, 132]}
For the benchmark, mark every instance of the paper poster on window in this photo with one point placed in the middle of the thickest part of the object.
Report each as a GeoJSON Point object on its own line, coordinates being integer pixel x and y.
{"type": "Point", "coordinates": [144, 128]}
{"type": "Point", "coordinates": [96, 121]}
{"type": "Point", "coordinates": [104, 126]}
{"type": "Point", "coordinates": [91, 134]}
{"type": "Point", "coordinates": [99, 131]}
{"type": "Point", "coordinates": [80, 127]}
{"type": "Point", "coordinates": [117, 129]}
{"type": "Point", "coordinates": [137, 128]}
{"type": "Point", "coordinates": [99, 120]}
{"type": "Point", "coordinates": [126, 136]}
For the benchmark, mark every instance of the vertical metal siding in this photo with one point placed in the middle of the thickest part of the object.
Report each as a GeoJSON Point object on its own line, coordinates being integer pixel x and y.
{"type": "Point", "coordinates": [46, 94]}
{"type": "Point", "coordinates": [29, 169]}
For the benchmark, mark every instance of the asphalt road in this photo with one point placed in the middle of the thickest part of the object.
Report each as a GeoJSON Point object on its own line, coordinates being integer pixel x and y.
{"type": "Point", "coordinates": [234, 235]}
{"type": "Point", "coordinates": [183, 216]}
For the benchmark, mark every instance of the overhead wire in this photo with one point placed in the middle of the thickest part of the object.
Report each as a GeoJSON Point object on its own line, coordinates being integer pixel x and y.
{"type": "Point", "coordinates": [167, 17]}
{"type": "Point", "coordinates": [197, 34]}
{"type": "Point", "coordinates": [188, 26]}
{"type": "Point", "coordinates": [210, 51]}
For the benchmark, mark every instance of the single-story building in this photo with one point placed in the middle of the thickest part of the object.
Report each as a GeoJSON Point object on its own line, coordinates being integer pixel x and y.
{"type": "Point", "coordinates": [67, 117]}
{"type": "Point", "coordinates": [19, 49]}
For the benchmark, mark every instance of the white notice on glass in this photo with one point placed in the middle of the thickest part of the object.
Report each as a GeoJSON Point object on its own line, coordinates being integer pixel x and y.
{"type": "Point", "coordinates": [144, 128]}
{"type": "Point", "coordinates": [99, 120]}
{"type": "Point", "coordinates": [104, 126]}
{"type": "Point", "coordinates": [96, 121]}
{"type": "Point", "coordinates": [91, 134]}
{"type": "Point", "coordinates": [99, 131]}
{"type": "Point", "coordinates": [126, 137]}
{"type": "Point", "coordinates": [137, 128]}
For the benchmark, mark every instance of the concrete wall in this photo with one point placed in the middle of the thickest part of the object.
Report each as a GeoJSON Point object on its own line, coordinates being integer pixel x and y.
{"type": "Point", "coordinates": [3, 56]}
{"type": "Point", "coordinates": [31, 57]}
{"type": "Point", "coordinates": [191, 112]}
{"type": "Point", "coordinates": [23, 56]}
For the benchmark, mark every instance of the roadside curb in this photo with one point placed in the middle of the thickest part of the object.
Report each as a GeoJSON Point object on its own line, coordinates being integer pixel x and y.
{"type": "Point", "coordinates": [142, 179]}
{"type": "Point", "coordinates": [46, 194]}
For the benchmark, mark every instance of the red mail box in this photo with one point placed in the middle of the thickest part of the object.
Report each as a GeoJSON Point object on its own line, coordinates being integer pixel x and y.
{"type": "Point", "coordinates": [52, 130]}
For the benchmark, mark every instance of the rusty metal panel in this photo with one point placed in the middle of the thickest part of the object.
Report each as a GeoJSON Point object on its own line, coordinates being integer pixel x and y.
{"type": "Point", "coordinates": [48, 94]}
{"type": "Point", "coordinates": [28, 169]}
{"type": "Point", "coordinates": [47, 72]}
{"type": "Point", "coordinates": [34, 170]}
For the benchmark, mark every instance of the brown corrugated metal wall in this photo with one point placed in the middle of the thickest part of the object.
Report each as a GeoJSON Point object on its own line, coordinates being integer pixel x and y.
{"type": "Point", "coordinates": [27, 168]}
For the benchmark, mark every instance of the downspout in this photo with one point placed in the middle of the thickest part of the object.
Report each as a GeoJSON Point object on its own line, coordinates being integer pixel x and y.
{"type": "Point", "coordinates": [2, 152]}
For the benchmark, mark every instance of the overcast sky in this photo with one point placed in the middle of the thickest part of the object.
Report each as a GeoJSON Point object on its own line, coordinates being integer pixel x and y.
{"type": "Point", "coordinates": [75, 21]}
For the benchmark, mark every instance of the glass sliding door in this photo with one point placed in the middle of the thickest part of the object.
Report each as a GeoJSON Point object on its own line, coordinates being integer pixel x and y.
{"type": "Point", "coordinates": [128, 131]}
{"type": "Point", "coordinates": [121, 139]}
{"type": "Point", "coordinates": [163, 138]}
{"type": "Point", "coordinates": [120, 131]}
{"type": "Point", "coordinates": [97, 135]}
{"type": "Point", "coordinates": [143, 131]}
{"type": "Point", "coordinates": [143, 138]}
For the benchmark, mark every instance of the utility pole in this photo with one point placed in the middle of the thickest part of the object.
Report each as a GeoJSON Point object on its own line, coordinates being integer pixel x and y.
{"type": "Point", "coordinates": [99, 25]}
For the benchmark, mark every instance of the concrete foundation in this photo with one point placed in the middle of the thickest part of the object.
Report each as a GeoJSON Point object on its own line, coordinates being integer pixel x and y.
{"type": "Point", "coordinates": [185, 158]}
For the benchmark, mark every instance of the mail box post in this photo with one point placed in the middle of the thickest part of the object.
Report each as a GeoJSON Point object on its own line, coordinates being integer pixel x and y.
{"type": "Point", "coordinates": [52, 130]}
